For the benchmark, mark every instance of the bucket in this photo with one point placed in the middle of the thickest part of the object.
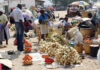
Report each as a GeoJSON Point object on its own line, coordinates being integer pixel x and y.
{"type": "Point", "coordinates": [93, 50]}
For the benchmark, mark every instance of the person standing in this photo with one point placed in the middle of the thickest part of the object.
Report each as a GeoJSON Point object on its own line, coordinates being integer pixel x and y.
{"type": "Point", "coordinates": [43, 20]}
{"type": "Point", "coordinates": [96, 20]}
{"type": "Point", "coordinates": [19, 24]}
{"type": "Point", "coordinates": [4, 31]}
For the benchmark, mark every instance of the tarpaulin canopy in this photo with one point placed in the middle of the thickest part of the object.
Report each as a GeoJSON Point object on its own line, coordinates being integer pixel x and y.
{"type": "Point", "coordinates": [80, 3]}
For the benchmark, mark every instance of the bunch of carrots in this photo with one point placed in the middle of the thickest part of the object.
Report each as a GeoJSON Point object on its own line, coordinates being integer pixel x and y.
{"type": "Point", "coordinates": [27, 60]}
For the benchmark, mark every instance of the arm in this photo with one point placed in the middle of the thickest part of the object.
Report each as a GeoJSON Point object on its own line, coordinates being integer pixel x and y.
{"type": "Point", "coordinates": [5, 21]}
{"type": "Point", "coordinates": [21, 19]}
{"type": "Point", "coordinates": [40, 21]}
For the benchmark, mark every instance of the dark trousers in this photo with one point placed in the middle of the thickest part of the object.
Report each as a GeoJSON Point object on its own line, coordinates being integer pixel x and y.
{"type": "Point", "coordinates": [20, 36]}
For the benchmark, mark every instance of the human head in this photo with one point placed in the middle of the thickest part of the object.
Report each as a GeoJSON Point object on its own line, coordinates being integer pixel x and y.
{"type": "Point", "coordinates": [66, 18]}
{"type": "Point", "coordinates": [89, 15]}
{"type": "Point", "coordinates": [42, 12]}
{"type": "Point", "coordinates": [19, 6]}
{"type": "Point", "coordinates": [1, 11]}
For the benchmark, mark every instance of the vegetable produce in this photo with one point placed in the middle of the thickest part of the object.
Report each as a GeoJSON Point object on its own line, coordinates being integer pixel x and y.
{"type": "Point", "coordinates": [57, 38]}
{"type": "Point", "coordinates": [87, 40]}
{"type": "Point", "coordinates": [28, 49]}
{"type": "Point", "coordinates": [53, 48]}
{"type": "Point", "coordinates": [27, 44]}
{"type": "Point", "coordinates": [45, 56]}
{"type": "Point", "coordinates": [67, 56]}
{"type": "Point", "coordinates": [49, 47]}
{"type": "Point", "coordinates": [49, 60]}
{"type": "Point", "coordinates": [27, 60]}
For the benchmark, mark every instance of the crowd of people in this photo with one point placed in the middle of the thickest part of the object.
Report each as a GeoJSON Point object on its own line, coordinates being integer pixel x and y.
{"type": "Point", "coordinates": [23, 23]}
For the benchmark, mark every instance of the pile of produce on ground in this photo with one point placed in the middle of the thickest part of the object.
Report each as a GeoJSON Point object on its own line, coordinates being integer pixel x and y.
{"type": "Point", "coordinates": [67, 56]}
{"type": "Point", "coordinates": [27, 60]}
{"type": "Point", "coordinates": [55, 46]}
{"type": "Point", "coordinates": [26, 43]}
{"type": "Point", "coordinates": [57, 38]}
{"type": "Point", "coordinates": [49, 60]}
{"type": "Point", "coordinates": [49, 47]}
{"type": "Point", "coordinates": [27, 49]}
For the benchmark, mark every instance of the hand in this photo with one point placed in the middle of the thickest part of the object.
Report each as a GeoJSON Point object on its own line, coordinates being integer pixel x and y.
{"type": "Point", "coordinates": [24, 28]}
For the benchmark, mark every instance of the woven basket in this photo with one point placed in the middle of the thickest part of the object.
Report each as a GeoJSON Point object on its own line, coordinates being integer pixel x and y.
{"type": "Point", "coordinates": [86, 32]}
{"type": "Point", "coordinates": [87, 47]}
{"type": "Point", "coordinates": [79, 48]}
{"type": "Point", "coordinates": [84, 13]}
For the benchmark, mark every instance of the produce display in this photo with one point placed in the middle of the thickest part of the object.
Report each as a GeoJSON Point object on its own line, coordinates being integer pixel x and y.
{"type": "Point", "coordinates": [49, 60]}
{"type": "Point", "coordinates": [49, 47]}
{"type": "Point", "coordinates": [57, 38]}
{"type": "Point", "coordinates": [26, 43]}
{"type": "Point", "coordinates": [67, 56]}
{"type": "Point", "coordinates": [87, 40]}
{"type": "Point", "coordinates": [44, 46]}
{"type": "Point", "coordinates": [27, 49]}
{"type": "Point", "coordinates": [27, 60]}
{"type": "Point", "coordinates": [53, 48]}
{"type": "Point", "coordinates": [45, 56]}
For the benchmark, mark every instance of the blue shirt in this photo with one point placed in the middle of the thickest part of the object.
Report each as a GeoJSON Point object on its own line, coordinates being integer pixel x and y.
{"type": "Point", "coordinates": [43, 18]}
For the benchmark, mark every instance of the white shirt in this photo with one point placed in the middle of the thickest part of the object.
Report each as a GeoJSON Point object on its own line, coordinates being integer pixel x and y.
{"type": "Point", "coordinates": [17, 15]}
{"type": "Point", "coordinates": [64, 23]}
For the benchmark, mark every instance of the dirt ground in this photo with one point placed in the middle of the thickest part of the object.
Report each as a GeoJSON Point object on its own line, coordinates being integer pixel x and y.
{"type": "Point", "coordinates": [87, 64]}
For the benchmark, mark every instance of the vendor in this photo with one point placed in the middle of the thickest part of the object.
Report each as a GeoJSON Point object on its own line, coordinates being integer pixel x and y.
{"type": "Point", "coordinates": [96, 19]}
{"type": "Point", "coordinates": [4, 31]}
{"type": "Point", "coordinates": [43, 20]}
{"type": "Point", "coordinates": [66, 25]}
{"type": "Point", "coordinates": [27, 24]}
